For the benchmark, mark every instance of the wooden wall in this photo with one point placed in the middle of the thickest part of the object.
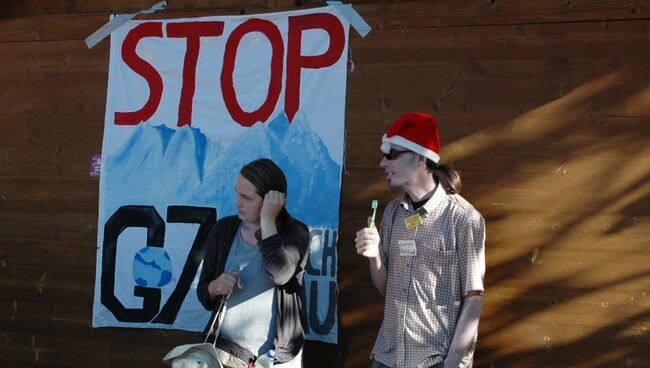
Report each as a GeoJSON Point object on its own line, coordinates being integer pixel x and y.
{"type": "Point", "coordinates": [543, 105]}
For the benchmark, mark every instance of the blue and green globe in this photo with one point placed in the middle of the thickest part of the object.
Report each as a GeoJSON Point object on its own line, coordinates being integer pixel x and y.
{"type": "Point", "coordinates": [152, 267]}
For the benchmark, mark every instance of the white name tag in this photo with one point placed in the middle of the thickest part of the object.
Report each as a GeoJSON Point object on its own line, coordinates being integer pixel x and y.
{"type": "Point", "coordinates": [407, 248]}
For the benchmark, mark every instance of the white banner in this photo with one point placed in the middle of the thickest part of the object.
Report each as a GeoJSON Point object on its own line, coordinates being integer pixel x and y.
{"type": "Point", "coordinates": [190, 101]}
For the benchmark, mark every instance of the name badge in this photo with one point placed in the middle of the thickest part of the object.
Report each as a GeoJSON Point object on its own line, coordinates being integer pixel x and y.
{"type": "Point", "coordinates": [407, 248]}
{"type": "Point", "coordinates": [413, 221]}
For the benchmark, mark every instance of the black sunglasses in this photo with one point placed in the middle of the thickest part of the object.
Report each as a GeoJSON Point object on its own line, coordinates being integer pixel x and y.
{"type": "Point", "coordinates": [390, 156]}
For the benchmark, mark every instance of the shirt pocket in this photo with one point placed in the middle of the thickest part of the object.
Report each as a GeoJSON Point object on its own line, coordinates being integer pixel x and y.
{"type": "Point", "coordinates": [436, 259]}
{"type": "Point", "coordinates": [439, 244]}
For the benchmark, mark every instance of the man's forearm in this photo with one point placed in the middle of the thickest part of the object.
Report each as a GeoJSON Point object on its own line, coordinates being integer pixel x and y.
{"type": "Point", "coordinates": [378, 274]}
{"type": "Point", "coordinates": [466, 328]}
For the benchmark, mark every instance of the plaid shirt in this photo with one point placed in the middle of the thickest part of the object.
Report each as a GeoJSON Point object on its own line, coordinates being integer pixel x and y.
{"type": "Point", "coordinates": [424, 292]}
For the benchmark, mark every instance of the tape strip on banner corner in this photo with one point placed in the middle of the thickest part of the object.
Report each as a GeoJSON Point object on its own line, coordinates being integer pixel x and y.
{"type": "Point", "coordinates": [117, 21]}
{"type": "Point", "coordinates": [357, 22]}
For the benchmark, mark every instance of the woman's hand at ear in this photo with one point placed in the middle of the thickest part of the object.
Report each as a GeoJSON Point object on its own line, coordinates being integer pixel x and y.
{"type": "Point", "coordinates": [274, 202]}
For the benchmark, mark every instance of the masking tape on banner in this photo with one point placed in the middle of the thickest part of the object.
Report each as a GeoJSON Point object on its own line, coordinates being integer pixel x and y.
{"type": "Point", "coordinates": [346, 10]}
{"type": "Point", "coordinates": [117, 21]}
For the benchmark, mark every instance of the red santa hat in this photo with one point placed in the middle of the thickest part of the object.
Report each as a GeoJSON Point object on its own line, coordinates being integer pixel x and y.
{"type": "Point", "coordinates": [415, 131]}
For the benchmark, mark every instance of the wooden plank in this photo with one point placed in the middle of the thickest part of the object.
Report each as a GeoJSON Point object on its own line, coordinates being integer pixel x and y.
{"type": "Point", "coordinates": [61, 63]}
{"type": "Point", "coordinates": [58, 350]}
{"type": "Point", "coordinates": [31, 316]}
{"type": "Point", "coordinates": [73, 319]}
{"type": "Point", "coordinates": [542, 348]}
{"type": "Point", "coordinates": [48, 285]}
{"type": "Point", "coordinates": [7, 317]}
{"type": "Point", "coordinates": [49, 25]}
{"type": "Point", "coordinates": [476, 13]}
{"type": "Point", "coordinates": [419, 45]}
{"type": "Point", "coordinates": [61, 160]}
{"type": "Point", "coordinates": [411, 13]}
{"type": "Point", "coordinates": [576, 313]}
{"type": "Point", "coordinates": [54, 348]}
{"type": "Point", "coordinates": [445, 81]}
{"type": "Point", "coordinates": [123, 337]}
{"type": "Point", "coordinates": [479, 112]}
{"type": "Point", "coordinates": [30, 193]}
{"type": "Point", "coordinates": [84, 7]}
{"type": "Point", "coordinates": [51, 258]}
{"type": "Point", "coordinates": [71, 351]}
{"type": "Point", "coordinates": [403, 15]}
{"type": "Point", "coordinates": [17, 356]}
{"type": "Point", "coordinates": [545, 271]}
{"type": "Point", "coordinates": [54, 224]}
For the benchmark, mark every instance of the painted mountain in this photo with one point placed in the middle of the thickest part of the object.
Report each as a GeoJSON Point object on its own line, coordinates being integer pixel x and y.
{"type": "Point", "coordinates": [158, 164]}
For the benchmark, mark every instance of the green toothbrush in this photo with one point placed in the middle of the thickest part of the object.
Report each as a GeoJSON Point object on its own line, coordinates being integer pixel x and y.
{"type": "Point", "coordinates": [371, 219]}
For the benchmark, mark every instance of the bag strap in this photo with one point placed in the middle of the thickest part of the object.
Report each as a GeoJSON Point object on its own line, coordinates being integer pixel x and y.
{"type": "Point", "coordinates": [217, 320]}
{"type": "Point", "coordinates": [235, 350]}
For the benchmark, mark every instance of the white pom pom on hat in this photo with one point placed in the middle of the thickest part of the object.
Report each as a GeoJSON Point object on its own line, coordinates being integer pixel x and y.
{"type": "Point", "coordinates": [415, 131]}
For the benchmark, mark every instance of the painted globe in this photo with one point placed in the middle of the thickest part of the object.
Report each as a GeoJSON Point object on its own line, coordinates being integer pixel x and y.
{"type": "Point", "coordinates": [152, 267]}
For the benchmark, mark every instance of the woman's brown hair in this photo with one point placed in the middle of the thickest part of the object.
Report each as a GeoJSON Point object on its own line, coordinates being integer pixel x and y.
{"type": "Point", "coordinates": [265, 175]}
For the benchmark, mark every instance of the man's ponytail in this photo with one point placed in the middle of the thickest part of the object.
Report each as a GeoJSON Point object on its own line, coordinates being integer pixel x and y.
{"type": "Point", "coordinates": [448, 177]}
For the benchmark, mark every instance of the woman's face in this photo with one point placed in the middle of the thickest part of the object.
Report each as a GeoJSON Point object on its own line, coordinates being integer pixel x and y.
{"type": "Point", "coordinates": [248, 203]}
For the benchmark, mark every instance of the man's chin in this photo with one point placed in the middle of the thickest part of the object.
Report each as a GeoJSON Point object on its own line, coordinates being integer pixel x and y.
{"type": "Point", "coordinates": [394, 185]}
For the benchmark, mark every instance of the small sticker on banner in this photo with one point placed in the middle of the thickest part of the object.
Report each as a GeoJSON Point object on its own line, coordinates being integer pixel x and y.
{"type": "Point", "coordinates": [95, 165]}
{"type": "Point", "coordinates": [414, 221]}
{"type": "Point", "coordinates": [407, 248]}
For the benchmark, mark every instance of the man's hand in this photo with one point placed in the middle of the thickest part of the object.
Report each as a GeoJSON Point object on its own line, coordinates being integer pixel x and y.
{"type": "Point", "coordinates": [367, 242]}
{"type": "Point", "coordinates": [466, 328]}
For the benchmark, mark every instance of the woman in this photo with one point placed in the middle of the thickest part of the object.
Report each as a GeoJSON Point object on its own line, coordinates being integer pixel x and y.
{"type": "Point", "coordinates": [257, 259]}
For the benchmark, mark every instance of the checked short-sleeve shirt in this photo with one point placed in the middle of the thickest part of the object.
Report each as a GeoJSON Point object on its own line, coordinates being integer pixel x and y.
{"type": "Point", "coordinates": [424, 292]}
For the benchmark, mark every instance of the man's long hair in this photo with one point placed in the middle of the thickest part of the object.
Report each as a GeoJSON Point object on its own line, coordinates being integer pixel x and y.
{"type": "Point", "coordinates": [448, 177]}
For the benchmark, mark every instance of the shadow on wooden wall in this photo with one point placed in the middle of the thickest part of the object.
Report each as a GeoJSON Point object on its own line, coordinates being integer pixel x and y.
{"type": "Point", "coordinates": [565, 191]}
{"type": "Point", "coordinates": [548, 122]}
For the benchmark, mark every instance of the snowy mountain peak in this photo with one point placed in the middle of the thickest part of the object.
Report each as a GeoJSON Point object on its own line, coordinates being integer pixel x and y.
{"type": "Point", "coordinates": [184, 166]}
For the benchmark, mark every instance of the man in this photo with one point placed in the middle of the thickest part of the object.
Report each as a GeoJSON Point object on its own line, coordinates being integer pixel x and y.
{"type": "Point", "coordinates": [428, 259]}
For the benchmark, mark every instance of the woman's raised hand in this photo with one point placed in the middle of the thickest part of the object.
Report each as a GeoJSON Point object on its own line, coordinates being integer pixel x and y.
{"type": "Point", "coordinates": [272, 205]}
